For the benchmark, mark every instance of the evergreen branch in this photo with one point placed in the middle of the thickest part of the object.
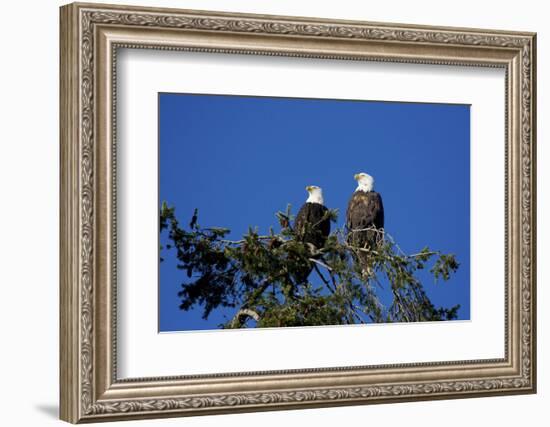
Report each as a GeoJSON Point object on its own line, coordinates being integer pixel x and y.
{"type": "Point", "coordinates": [266, 276]}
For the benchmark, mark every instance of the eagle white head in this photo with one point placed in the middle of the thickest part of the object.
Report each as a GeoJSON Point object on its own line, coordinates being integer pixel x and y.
{"type": "Point", "coordinates": [315, 194]}
{"type": "Point", "coordinates": [365, 182]}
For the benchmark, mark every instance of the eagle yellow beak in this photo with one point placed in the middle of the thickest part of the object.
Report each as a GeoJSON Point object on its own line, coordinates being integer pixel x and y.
{"type": "Point", "coordinates": [309, 188]}
{"type": "Point", "coordinates": [356, 176]}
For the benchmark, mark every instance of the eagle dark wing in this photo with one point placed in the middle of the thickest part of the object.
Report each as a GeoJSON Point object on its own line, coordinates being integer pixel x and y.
{"type": "Point", "coordinates": [365, 210]}
{"type": "Point", "coordinates": [312, 225]}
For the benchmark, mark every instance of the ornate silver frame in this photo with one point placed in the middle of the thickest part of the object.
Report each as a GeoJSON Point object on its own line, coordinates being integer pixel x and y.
{"type": "Point", "coordinates": [90, 35]}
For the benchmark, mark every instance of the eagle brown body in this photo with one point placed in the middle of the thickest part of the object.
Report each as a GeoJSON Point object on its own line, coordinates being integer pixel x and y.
{"type": "Point", "coordinates": [312, 225]}
{"type": "Point", "coordinates": [364, 222]}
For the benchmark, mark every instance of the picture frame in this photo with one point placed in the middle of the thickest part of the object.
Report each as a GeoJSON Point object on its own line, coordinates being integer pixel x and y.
{"type": "Point", "coordinates": [91, 37]}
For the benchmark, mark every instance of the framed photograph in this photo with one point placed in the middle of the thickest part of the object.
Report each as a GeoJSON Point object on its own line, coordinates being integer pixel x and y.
{"type": "Point", "coordinates": [266, 212]}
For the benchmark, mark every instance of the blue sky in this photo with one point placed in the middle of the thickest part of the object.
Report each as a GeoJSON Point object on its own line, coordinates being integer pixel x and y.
{"type": "Point", "coordinates": [241, 159]}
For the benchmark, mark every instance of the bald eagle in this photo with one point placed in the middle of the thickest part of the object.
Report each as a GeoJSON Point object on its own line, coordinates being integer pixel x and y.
{"type": "Point", "coordinates": [312, 224]}
{"type": "Point", "coordinates": [365, 218]}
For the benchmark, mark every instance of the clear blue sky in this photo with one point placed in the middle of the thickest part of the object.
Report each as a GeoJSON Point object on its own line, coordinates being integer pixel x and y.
{"type": "Point", "coordinates": [241, 159]}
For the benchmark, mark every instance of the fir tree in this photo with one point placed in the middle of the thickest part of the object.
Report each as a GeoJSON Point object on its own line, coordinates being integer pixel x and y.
{"type": "Point", "coordinates": [255, 276]}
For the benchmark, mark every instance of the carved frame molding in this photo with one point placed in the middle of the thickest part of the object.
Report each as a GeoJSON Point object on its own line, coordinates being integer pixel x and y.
{"type": "Point", "coordinates": [90, 36]}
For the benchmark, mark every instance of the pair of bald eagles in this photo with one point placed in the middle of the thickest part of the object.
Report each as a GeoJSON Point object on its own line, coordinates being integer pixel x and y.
{"type": "Point", "coordinates": [364, 218]}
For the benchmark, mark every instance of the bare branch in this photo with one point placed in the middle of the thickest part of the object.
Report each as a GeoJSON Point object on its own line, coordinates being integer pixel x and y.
{"type": "Point", "coordinates": [240, 242]}
{"type": "Point", "coordinates": [325, 281]}
{"type": "Point", "coordinates": [244, 312]}
{"type": "Point", "coordinates": [322, 264]}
